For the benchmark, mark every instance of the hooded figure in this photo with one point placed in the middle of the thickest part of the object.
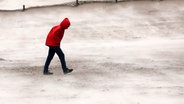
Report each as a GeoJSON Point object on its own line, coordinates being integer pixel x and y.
{"type": "Point", "coordinates": [53, 42]}
{"type": "Point", "coordinates": [57, 32]}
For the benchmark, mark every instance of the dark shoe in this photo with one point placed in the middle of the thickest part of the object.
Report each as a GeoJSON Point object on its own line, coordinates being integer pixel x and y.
{"type": "Point", "coordinates": [48, 73]}
{"type": "Point", "coordinates": [68, 71]}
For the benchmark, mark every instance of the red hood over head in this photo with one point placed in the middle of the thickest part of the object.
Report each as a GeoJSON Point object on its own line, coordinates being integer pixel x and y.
{"type": "Point", "coordinates": [65, 23]}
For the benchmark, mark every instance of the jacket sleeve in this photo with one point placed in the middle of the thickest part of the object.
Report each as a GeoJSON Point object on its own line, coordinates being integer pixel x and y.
{"type": "Point", "coordinates": [57, 36]}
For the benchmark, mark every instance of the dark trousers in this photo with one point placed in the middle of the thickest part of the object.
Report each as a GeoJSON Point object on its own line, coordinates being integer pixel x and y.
{"type": "Point", "coordinates": [51, 53]}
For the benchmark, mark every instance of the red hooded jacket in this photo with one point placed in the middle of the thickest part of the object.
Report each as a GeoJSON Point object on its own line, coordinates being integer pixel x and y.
{"type": "Point", "coordinates": [56, 33]}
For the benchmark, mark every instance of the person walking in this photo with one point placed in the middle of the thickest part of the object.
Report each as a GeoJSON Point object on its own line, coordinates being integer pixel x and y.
{"type": "Point", "coordinates": [53, 41]}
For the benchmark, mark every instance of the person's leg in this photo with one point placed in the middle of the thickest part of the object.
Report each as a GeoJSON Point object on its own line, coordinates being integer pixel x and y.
{"type": "Point", "coordinates": [61, 56]}
{"type": "Point", "coordinates": [49, 58]}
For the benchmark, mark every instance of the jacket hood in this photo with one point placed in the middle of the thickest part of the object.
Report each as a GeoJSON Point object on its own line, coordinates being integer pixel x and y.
{"type": "Point", "coordinates": [65, 23]}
